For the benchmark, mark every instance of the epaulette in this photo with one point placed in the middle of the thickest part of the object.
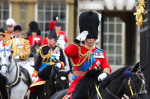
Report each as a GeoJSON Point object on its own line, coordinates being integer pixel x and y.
{"type": "Point", "coordinates": [99, 48]}
{"type": "Point", "coordinates": [59, 47]}
{"type": "Point", "coordinates": [75, 43]}
{"type": "Point", "coordinates": [40, 48]}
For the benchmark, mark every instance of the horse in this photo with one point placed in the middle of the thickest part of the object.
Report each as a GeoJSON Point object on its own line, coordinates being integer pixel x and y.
{"type": "Point", "coordinates": [128, 80]}
{"type": "Point", "coordinates": [3, 89]}
{"type": "Point", "coordinates": [58, 80]}
{"type": "Point", "coordinates": [16, 79]}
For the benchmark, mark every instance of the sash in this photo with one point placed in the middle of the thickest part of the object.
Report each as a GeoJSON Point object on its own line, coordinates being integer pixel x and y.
{"type": "Point", "coordinates": [88, 63]}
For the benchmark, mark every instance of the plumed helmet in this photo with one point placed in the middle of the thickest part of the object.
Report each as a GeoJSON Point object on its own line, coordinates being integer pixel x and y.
{"type": "Point", "coordinates": [52, 32]}
{"type": "Point", "coordinates": [89, 21]}
{"type": "Point", "coordinates": [2, 32]}
{"type": "Point", "coordinates": [17, 27]}
{"type": "Point", "coordinates": [33, 27]}
{"type": "Point", "coordinates": [10, 22]}
{"type": "Point", "coordinates": [58, 24]}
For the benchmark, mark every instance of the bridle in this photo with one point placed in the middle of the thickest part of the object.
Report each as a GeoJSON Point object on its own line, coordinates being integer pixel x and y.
{"type": "Point", "coordinates": [133, 91]}
{"type": "Point", "coordinates": [8, 66]}
{"type": "Point", "coordinates": [131, 85]}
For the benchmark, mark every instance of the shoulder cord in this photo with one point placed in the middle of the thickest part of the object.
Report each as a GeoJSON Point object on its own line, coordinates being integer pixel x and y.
{"type": "Point", "coordinates": [85, 56]}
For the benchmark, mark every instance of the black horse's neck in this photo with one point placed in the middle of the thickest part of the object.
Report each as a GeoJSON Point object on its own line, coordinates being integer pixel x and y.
{"type": "Point", "coordinates": [113, 85]}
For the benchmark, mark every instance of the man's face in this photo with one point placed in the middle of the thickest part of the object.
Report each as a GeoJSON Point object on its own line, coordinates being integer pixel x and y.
{"type": "Point", "coordinates": [1, 37]}
{"type": "Point", "coordinates": [58, 28]}
{"type": "Point", "coordinates": [33, 33]}
{"type": "Point", "coordinates": [90, 41]}
{"type": "Point", "coordinates": [17, 33]}
{"type": "Point", "coordinates": [10, 28]}
{"type": "Point", "coordinates": [51, 41]}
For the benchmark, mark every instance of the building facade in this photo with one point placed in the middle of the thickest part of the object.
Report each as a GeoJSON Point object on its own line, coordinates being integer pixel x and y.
{"type": "Point", "coordinates": [118, 33]}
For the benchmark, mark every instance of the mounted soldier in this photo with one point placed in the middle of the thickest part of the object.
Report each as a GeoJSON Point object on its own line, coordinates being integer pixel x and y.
{"type": "Point", "coordinates": [49, 55]}
{"type": "Point", "coordinates": [21, 50]}
{"type": "Point", "coordinates": [84, 54]}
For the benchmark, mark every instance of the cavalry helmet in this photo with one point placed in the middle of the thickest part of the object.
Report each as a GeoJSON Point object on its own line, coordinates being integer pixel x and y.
{"type": "Point", "coordinates": [10, 22]}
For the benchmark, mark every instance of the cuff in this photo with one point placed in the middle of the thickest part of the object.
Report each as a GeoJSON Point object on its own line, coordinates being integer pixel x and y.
{"type": "Point", "coordinates": [62, 64]}
{"type": "Point", "coordinates": [35, 73]}
{"type": "Point", "coordinates": [107, 70]}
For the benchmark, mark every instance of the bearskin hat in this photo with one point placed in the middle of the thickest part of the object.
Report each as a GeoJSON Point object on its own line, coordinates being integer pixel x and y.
{"type": "Point", "coordinates": [52, 32]}
{"type": "Point", "coordinates": [34, 27]}
{"type": "Point", "coordinates": [89, 21]}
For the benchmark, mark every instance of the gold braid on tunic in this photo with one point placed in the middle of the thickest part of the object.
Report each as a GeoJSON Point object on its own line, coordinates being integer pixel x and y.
{"type": "Point", "coordinates": [85, 56]}
{"type": "Point", "coordinates": [46, 57]}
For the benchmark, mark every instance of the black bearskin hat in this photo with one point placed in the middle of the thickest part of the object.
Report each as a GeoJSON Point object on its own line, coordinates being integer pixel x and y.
{"type": "Point", "coordinates": [52, 32]}
{"type": "Point", "coordinates": [34, 27]}
{"type": "Point", "coordinates": [17, 27]}
{"type": "Point", "coordinates": [2, 32]}
{"type": "Point", "coordinates": [89, 21]}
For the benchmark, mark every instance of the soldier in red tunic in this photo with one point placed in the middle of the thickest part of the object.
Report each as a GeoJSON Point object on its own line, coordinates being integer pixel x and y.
{"type": "Point", "coordinates": [34, 38]}
{"type": "Point", "coordinates": [84, 54]}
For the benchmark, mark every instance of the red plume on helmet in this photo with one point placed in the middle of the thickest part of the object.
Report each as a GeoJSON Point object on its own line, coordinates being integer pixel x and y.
{"type": "Point", "coordinates": [51, 25]}
{"type": "Point", "coordinates": [52, 32]}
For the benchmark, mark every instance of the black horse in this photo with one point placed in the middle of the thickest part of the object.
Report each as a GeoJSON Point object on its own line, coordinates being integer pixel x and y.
{"type": "Point", "coordinates": [58, 80]}
{"type": "Point", "coordinates": [3, 89]}
{"type": "Point", "coordinates": [128, 80]}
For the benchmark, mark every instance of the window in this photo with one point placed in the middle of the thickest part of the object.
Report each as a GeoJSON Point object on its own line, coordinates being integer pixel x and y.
{"type": "Point", "coordinates": [114, 40]}
{"type": "Point", "coordinates": [48, 11]}
{"type": "Point", "coordinates": [4, 12]}
{"type": "Point", "coordinates": [23, 15]}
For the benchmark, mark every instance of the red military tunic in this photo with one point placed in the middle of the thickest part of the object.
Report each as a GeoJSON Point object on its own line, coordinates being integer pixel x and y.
{"type": "Point", "coordinates": [36, 39]}
{"type": "Point", "coordinates": [45, 41]}
{"type": "Point", "coordinates": [85, 59]}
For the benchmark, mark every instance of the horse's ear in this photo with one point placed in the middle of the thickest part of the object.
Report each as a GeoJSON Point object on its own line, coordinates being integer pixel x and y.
{"type": "Point", "coordinates": [136, 67]}
{"type": "Point", "coordinates": [9, 46]}
{"type": "Point", "coordinates": [67, 73]}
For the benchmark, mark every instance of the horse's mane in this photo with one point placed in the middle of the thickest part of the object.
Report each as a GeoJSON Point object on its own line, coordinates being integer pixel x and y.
{"type": "Point", "coordinates": [85, 85]}
{"type": "Point", "coordinates": [114, 75]}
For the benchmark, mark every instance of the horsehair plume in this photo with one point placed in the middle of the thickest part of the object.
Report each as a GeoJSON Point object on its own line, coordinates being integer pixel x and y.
{"type": "Point", "coordinates": [57, 19]}
{"type": "Point", "coordinates": [51, 25]}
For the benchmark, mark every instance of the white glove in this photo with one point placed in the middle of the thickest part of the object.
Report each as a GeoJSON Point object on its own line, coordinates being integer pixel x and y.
{"type": "Point", "coordinates": [82, 36]}
{"type": "Point", "coordinates": [17, 57]}
{"type": "Point", "coordinates": [58, 65]}
{"type": "Point", "coordinates": [102, 76]}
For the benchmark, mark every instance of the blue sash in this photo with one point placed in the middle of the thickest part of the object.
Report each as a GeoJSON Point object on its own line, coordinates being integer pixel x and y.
{"type": "Point", "coordinates": [88, 63]}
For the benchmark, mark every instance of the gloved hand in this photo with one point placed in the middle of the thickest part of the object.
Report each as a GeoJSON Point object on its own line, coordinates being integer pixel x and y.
{"type": "Point", "coordinates": [58, 65]}
{"type": "Point", "coordinates": [35, 73]}
{"type": "Point", "coordinates": [82, 36]}
{"type": "Point", "coordinates": [102, 76]}
{"type": "Point", "coordinates": [17, 57]}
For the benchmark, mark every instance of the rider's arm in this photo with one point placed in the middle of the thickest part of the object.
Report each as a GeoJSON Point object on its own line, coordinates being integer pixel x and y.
{"type": "Point", "coordinates": [27, 50]}
{"type": "Point", "coordinates": [62, 59]}
{"type": "Point", "coordinates": [105, 66]}
{"type": "Point", "coordinates": [38, 63]}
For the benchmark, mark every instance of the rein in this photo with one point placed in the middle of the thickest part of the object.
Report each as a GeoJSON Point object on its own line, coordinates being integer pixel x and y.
{"type": "Point", "coordinates": [17, 80]}
{"type": "Point", "coordinates": [131, 87]}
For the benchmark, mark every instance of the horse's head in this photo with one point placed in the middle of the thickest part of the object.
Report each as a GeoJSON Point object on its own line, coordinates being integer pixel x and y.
{"type": "Point", "coordinates": [134, 84]}
{"type": "Point", "coordinates": [61, 80]}
{"type": "Point", "coordinates": [128, 80]}
{"type": "Point", "coordinates": [5, 59]}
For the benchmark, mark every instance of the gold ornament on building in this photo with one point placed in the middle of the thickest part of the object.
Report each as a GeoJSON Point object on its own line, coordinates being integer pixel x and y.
{"type": "Point", "coordinates": [139, 12]}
